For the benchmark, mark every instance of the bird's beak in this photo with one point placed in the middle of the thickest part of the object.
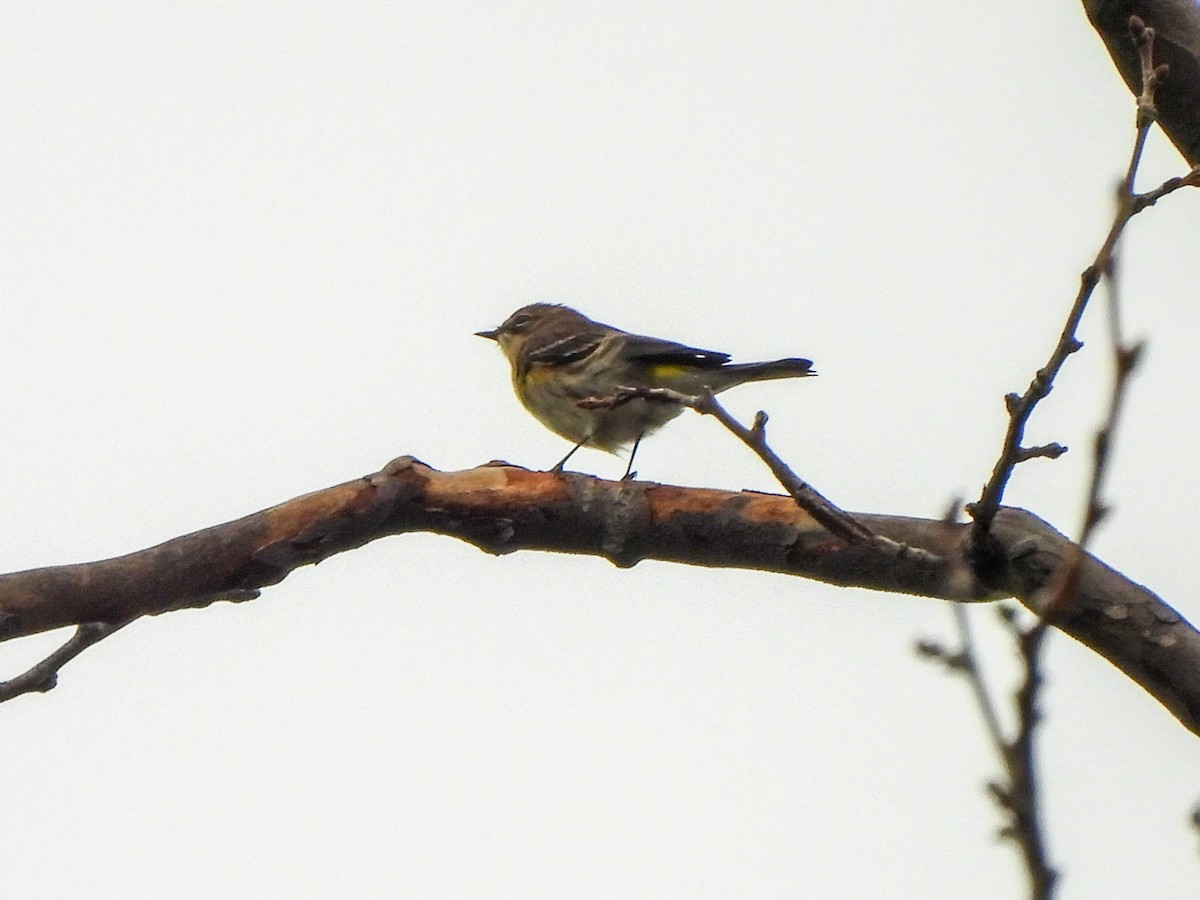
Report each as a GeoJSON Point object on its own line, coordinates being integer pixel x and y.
{"type": "Point", "coordinates": [493, 335]}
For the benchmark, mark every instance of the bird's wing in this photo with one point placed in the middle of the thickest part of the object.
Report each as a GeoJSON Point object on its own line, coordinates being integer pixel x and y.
{"type": "Point", "coordinates": [566, 350]}
{"type": "Point", "coordinates": [657, 350]}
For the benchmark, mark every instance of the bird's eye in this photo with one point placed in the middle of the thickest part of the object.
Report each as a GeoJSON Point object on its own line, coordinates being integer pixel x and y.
{"type": "Point", "coordinates": [519, 323]}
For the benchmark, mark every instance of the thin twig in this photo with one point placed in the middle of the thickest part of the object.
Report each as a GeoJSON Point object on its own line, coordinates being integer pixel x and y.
{"type": "Point", "coordinates": [836, 520]}
{"type": "Point", "coordinates": [1021, 406]}
{"type": "Point", "coordinates": [1019, 797]}
{"type": "Point", "coordinates": [43, 676]}
{"type": "Point", "coordinates": [1125, 361]}
{"type": "Point", "coordinates": [806, 496]}
{"type": "Point", "coordinates": [1195, 817]}
{"type": "Point", "coordinates": [1170, 186]}
{"type": "Point", "coordinates": [971, 669]}
{"type": "Point", "coordinates": [1017, 794]}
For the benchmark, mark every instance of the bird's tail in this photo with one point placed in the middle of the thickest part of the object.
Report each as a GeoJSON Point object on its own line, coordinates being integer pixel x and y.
{"type": "Point", "coordinates": [739, 373]}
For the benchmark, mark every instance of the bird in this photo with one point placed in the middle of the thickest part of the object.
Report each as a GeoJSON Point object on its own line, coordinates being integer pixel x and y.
{"type": "Point", "coordinates": [559, 357]}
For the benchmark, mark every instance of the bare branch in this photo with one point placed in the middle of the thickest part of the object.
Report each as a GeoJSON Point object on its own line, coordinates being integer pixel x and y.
{"type": "Point", "coordinates": [1170, 186]}
{"type": "Point", "coordinates": [971, 668]}
{"type": "Point", "coordinates": [1017, 794]}
{"type": "Point", "coordinates": [808, 498]}
{"type": "Point", "coordinates": [43, 676]}
{"type": "Point", "coordinates": [1020, 407]}
{"type": "Point", "coordinates": [502, 509]}
{"type": "Point", "coordinates": [1022, 796]}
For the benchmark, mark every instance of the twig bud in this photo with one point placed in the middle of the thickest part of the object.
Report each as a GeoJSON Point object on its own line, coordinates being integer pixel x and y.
{"type": "Point", "coordinates": [760, 425]}
{"type": "Point", "coordinates": [1128, 358]}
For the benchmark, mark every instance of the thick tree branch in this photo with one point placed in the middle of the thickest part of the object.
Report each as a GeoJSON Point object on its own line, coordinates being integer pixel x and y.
{"type": "Point", "coordinates": [502, 509]}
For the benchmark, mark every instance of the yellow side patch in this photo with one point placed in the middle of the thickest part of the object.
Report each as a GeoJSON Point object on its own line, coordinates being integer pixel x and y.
{"type": "Point", "coordinates": [667, 371]}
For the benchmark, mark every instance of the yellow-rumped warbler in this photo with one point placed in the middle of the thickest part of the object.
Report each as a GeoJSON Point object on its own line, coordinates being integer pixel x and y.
{"type": "Point", "coordinates": [560, 356]}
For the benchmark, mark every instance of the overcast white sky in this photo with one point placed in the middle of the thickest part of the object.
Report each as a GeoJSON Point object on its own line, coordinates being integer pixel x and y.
{"type": "Point", "coordinates": [244, 248]}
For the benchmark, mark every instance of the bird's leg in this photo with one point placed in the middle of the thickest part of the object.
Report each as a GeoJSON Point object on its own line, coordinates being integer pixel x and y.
{"type": "Point", "coordinates": [562, 462]}
{"type": "Point", "coordinates": [629, 473]}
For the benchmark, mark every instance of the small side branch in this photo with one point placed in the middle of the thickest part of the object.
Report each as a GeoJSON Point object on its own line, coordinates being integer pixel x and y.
{"type": "Point", "coordinates": [1017, 794]}
{"type": "Point", "coordinates": [1021, 406]}
{"type": "Point", "coordinates": [1020, 797]}
{"type": "Point", "coordinates": [1170, 186]}
{"type": "Point", "coordinates": [1055, 602]}
{"type": "Point", "coordinates": [836, 520]}
{"type": "Point", "coordinates": [43, 676]}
